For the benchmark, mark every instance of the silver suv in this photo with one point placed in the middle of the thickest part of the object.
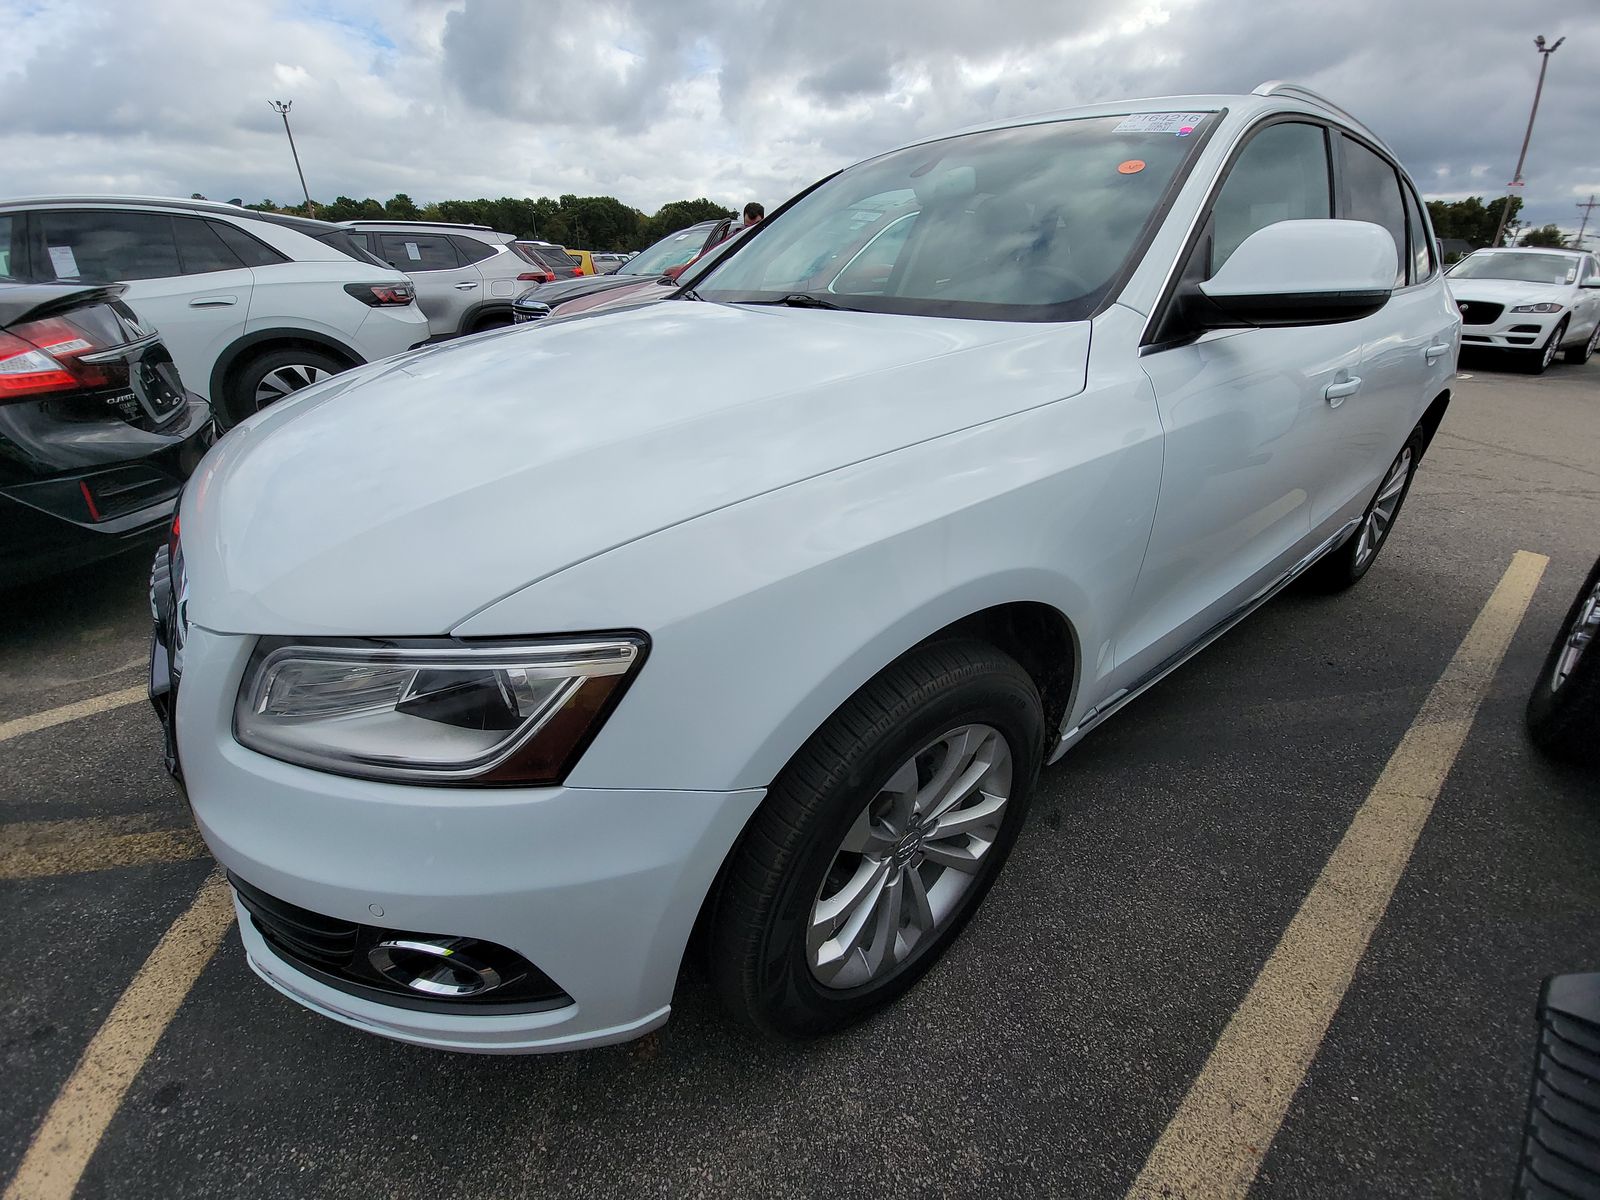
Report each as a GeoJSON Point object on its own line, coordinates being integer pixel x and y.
{"type": "Point", "coordinates": [466, 275]}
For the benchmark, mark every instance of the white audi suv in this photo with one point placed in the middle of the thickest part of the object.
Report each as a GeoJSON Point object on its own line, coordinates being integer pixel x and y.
{"type": "Point", "coordinates": [759, 617]}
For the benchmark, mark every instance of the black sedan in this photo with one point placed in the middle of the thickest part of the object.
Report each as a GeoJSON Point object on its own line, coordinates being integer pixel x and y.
{"type": "Point", "coordinates": [97, 433]}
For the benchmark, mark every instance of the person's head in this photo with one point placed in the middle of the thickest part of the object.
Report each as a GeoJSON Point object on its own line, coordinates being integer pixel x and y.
{"type": "Point", "coordinates": [753, 213]}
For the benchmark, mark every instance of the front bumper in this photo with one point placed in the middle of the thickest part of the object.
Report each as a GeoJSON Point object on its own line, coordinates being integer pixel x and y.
{"type": "Point", "coordinates": [1512, 331]}
{"type": "Point", "coordinates": [599, 889]}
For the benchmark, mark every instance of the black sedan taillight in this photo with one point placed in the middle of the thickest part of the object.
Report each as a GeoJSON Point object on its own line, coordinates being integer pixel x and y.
{"type": "Point", "coordinates": [40, 357]}
{"type": "Point", "coordinates": [382, 295]}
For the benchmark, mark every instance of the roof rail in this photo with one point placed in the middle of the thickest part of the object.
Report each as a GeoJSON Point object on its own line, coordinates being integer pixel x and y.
{"type": "Point", "coordinates": [414, 221]}
{"type": "Point", "coordinates": [1295, 91]}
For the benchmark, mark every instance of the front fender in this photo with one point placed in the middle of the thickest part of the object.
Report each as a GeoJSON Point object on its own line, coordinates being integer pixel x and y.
{"type": "Point", "coordinates": [766, 615]}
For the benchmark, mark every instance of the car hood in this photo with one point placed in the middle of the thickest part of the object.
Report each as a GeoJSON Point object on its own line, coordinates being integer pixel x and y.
{"type": "Point", "coordinates": [405, 496]}
{"type": "Point", "coordinates": [645, 290]}
{"type": "Point", "coordinates": [1510, 291]}
{"type": "Point", "coordinates": [562, 290]}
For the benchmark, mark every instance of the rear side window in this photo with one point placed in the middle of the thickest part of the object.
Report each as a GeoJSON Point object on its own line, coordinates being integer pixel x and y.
{"type": "Point", "coordinates": [102, 246]}
{"type": "Point", "coordinates": [1369, 190]}
{"type": "Point", "coordinates": [418, 251]}
{"type": "Point", "coordinates": [1281, 175]}
{"type": "Point", "coordinates": [555, 257]}
{"type": "Point", "coordinates": [8, 264]}
{"type": "Point", "coordinates": [251, 251]}
{"type": "Point", "coordinates": [472, 250]}
{"type": "Point", "coordinates": [201, 250]}
{"type": "Point", "coordinates": [341, 241]}
{"type": "Point", "coordinates": [1422, 264]}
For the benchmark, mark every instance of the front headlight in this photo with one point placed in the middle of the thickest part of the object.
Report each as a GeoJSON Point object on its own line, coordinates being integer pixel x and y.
{"type": "Point", "coordinates": [1544, 307]}
{"type": "Point", "coordinates": [436, 710]}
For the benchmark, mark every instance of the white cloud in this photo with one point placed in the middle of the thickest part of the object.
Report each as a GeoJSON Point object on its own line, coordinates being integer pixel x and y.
{"type": "Point", "coordinates": [731, 98]}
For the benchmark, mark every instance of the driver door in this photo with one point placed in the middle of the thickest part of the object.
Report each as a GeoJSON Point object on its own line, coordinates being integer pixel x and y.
{"type": "Point", "coordinates": [1251, 419]}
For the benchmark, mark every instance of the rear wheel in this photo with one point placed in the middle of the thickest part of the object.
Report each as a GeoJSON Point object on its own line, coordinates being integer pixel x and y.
{"type": "Point", "coordinates": [270, 377]}
{"type": "Point", "coordinates": [1343, 567]}
{"type": "Point", "coordinates": [1564, 708]}
{"type": "Point", "coordinates": [1582, 354]}
{"type": "Point", "coordinates": [1538, 362]}
{"type": "Point", "coordinates": [878, 841]}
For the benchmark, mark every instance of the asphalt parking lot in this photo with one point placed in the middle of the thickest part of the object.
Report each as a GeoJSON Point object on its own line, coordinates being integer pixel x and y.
{"type": "Point", "coordinates": [1164, 860]}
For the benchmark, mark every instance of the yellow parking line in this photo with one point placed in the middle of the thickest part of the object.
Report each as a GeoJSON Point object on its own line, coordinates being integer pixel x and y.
{"type": "Point", "coordinates": [76, 1122]}
{"type": "Point", "coordinates": [71, 712]}
{"type": "Point", "coordinates": [35, 849]}
{"type": "Point", "coordinates": [1215, 1143]}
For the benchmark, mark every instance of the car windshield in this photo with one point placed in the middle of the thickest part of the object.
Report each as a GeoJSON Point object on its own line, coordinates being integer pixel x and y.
{"type": "Point", "coordinates": [1526, 268]}
{"type": "Point", "coordinates": [671, 251]}
{"type": "Point", "coordinates": [1031, 223]}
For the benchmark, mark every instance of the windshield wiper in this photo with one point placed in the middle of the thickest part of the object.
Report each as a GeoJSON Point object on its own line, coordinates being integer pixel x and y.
{"type": "Point", "coordinates": [804, 300]}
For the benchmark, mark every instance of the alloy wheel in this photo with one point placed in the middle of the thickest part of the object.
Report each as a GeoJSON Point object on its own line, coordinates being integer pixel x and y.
{"type": "Point", "coordinates": [1583, 630]}
{"type": "Point", "coordinates": [282, 381]}
{"type": "Point", "coordinates": [1549, 355]}
{"type": "Point", "coordinates": [1381, 515]}
{"type": "Point", "coordinates": [910, 856]}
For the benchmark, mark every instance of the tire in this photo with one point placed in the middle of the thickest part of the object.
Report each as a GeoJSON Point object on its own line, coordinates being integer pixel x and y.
{"type": "Point", "coordinates": [1538, 362]}
{"type": "Point", "coordinates": [855, 778]}
{"type": "Point", "coordinates": [1578, 355]}
{"type": "Point", "coordinates": [1564, 706]}
{"type": "Point", "coordinates": [269, 377]}
{"type": "Point", "coordinates": [1343, 567]}
{"type": "Point", "coordinates": [495, 320]}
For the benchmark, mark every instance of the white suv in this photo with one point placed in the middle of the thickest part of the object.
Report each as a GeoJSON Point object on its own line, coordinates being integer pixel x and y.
{"type": "Point", "coordinates": [466, 275]}
{"type": "Point", "coordinates": [251, 305]}
{"type": "Point", "coordinates": [1532, 300]}
{"type": "Point", "coordinates": [764, 616]}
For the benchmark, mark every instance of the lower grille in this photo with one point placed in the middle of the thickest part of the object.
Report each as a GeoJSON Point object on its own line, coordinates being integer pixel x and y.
{"type": "Point", "coordinates": [339, 954]}
{"type": "Point", "coordinates": [1561, 1147]}
{"type": "Point", "coordinates": [1479, 312]}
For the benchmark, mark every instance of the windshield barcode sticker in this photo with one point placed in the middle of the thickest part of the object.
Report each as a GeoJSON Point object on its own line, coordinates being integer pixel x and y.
{"type": "Point", "coordinates": [1181, 124]}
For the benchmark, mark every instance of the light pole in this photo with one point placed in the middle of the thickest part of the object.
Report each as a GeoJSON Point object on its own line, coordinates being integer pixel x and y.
{"type": "Point", "coordinates": [1588, 207]}
{"type": "Point", "coordinates": [281, 107]}
{"type": "Point", "coordinates": [1516, 180]}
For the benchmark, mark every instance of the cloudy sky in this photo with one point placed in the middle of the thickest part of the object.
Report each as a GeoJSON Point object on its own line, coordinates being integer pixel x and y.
{"type": "Point", "coordinates": [653, 101]}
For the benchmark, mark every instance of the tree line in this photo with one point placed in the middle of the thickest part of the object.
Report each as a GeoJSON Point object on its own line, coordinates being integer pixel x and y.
{"type": "Point", "coordinates": [1474, 222]}
{"type": "Point", "coordinates": [606, 223]}
{"type": "Point", "coordinates": [582, 222]}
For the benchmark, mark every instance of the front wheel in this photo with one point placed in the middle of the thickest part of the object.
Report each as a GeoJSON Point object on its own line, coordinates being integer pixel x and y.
{"type": "Point", "coordinates": [878, 841]}
{"type": "Point", "coordinates": [1564, 707]}
{"type": "Point", "coordinates": [1539, 361]}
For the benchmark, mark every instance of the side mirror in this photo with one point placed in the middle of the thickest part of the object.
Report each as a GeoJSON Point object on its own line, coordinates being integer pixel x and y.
{"type": "Point", "coordinates": [672, 273]}
{"type": "Point", "coordinates": [1594, 283]}
{"type": "Point", "coordinates": [1314, 272]}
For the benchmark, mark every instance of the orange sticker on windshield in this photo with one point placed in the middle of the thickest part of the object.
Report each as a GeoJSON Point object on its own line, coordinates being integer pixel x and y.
{"type": "Point", "coordinates": [1132, 167]}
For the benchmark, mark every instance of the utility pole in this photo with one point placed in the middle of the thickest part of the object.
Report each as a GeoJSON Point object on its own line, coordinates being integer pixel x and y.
{"type": "Point", "coordinates": [1516, 180]}
{"type": "Point", "coordinates": [1588, 208]}
{"type": "Point", "coordinates": [281, 107]}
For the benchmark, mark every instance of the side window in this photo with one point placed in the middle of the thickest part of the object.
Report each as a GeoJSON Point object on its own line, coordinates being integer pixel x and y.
{"type": "Point", "coordinates": [8, 269]}
{"type": "Point", "coordinates": [1422, 264]}
{"type": "Point", "coordinates": [1591, 273]}
{"type": "Point", "coordinates": [472, 250]}
{"type": "Point", "coordinates": [251, 251]}
{"type": "Point", "coordinates": [1282, 175]}
{"type": "Point", "coordinates": [101, 246]}
{"type": "Point", "coordinates": [201, 250]}
{"type": "Point", "coordinates": [1369, 190]}
{"type": "Point", "coordinates": [364, 240]}
{"type": "Point", "coordinates": [418, 251]}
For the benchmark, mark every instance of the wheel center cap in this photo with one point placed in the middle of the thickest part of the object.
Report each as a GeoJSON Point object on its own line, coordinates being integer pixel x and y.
{"type": "Point", "coordinates": [909, 846]}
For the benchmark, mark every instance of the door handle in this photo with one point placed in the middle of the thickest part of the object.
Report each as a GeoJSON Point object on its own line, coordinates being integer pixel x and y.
{"type": "Point", "coordinates": [1336, 392]}
{"type": "Point", "coordinates": [213, 301]}
{"type": "Point", "coordinates": [1437, 349]}
{"type": "Point", "coordinates": [465, 287]}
